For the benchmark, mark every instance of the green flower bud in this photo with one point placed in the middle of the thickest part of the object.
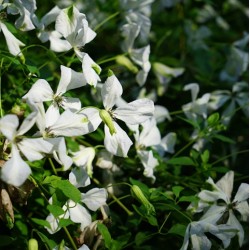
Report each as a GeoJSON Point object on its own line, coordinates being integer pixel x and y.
{"type": "Point", "coordinates": [96, 68]}
{"type": "Point", "coordinates": [142, 198]}
{"type": "Point", "coordinates": [124, 61]}
{"type": "Point", "coordinates": [107, 119]}
{"type": "Point", "coordinates": [33, 244]}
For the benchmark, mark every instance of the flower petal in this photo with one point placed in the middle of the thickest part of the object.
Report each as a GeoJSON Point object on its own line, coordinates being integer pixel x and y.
{"type": "Point", "coordinates": [79, 177]}
{"type": "Point", "coordinates": [226, 184]}
{"type": "Point", "coordinates": [15, 171]}
{"type": "Point", "coordinates": [118, 143]}
{"type": "Point", "coordinates": [94, 198]}
{"type": "Point", "coordinates": [8, 126]}
{"type": "Point", "coordinates": [111, 91]}
{"type": "Point", "coordinates": [135, 112]}
{"type": "Point", "coordinates": [39, 92]}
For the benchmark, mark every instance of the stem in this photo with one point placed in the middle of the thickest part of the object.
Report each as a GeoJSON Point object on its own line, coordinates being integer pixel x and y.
{"type": "Point", "coordinates": [1, 110]}
{"type": "Point", "coordinates": [106, 20]}
{"type": "Point", "coordinates": [70, 238]}
{"type": "Point", "coordinates": [182, 149]}
{"type": "Point", "coordinates": [176, 112]}
{"type": "Point", "coordinates": [53, 166]}
{"type": "Point", "coordinates": [164, 222]}
{"type": "Point", "coordinates": [229, 155]}
{"type": "Point", "coordinates": [110, 59]}
{"type": "Point", "coordinates": [184, 215]}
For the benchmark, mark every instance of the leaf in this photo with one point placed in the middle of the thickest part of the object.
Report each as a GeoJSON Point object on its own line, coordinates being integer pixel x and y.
{"type": "Point", "coordinates": [177, 190]}
{"type": "Point", "coordinates": [50, 243]}
{"type": "Point", "coordinates": [69, 190]}
{"type": "Point", "coordinates": [190, 198]}
{"type": "Point", "coordinates": [205, 156]}
{"type": "Point", "coordinates": [184, 160]}
{"type": "Point", "coordinates": [55, 210]}
{"type": "Point", "coordinates": [141, 237]}
{"type": "Point", "coordinates": [40, 222]}
{"type": "Point", "coordinates": [224, 139]}
{"type": "Point", "coordinates": [105, 234]}
{"type": "Point", "coordinates": [65, 222]}
{"type": "Point", "coordinates": [6, 240]}
{"type": "Point", "coordinates": [178, 229]}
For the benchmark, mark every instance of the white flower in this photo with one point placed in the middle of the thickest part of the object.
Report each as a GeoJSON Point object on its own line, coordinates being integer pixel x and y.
{"type": "Point", "coordinates": [116, 140]}
{"type": "Point", "coordinates": [216, 209]}
{"type": "Point", "coordinates": [196, 232]}
{"type": "Point", "coordinates": [84, 158]}
{"type": "Point", "coordinates": [12, 42]}
{"type": "Point", "coordinates": [94, 198]}
{"type": "Point", "coordinates": [79, 177]}
{"type": "Point", "coordinates": [15, 171]}
{"type": "Point", "coordinates": [42, 92]}
{"type": "Point", "coordinates": [198, 107]}
{"type": "Point", "coordinates": [238, 96]}
{"type": "Point", "coordinates": [164, 75]}
{"type": "Point", "coordinates": [26, 9]}
{"type": "Point", "coordinates": [74, 27]}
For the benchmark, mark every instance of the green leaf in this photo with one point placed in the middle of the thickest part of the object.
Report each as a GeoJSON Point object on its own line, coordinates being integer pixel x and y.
{"type": "Point", "coordinates": [190, 198]}
{"type": "Point", "coordinates": [51, 180]}
{"type": "Point", "coordinates": [177, 190]}
{"type": "Point", "coordinates": [213, 119]}
{"type": "Point", "coordinates": [142, 237]}
{"type": "Point", "coordinates": [65, 222]}
{"type": "Point", "coordinates": [40, 222]}
{"type": "Point", "coordinates": [105, 234]}
{"type": "Point", "coordinates": [205, 156]}
{"type": "Point", "coordinates": [6, 240]}
{"type": "Point", "coordinates": [184, 160]}
{"type": "Point", "coordinates": [224, 139]}
{"type": "Point", "coordinates": [55, 210]}
{"type": "Point", "coordinates": [69, 190]}
{"type": "Point", "coordinates": [50, 243]}
{"type": "Point", "coordinates": [178, 229]}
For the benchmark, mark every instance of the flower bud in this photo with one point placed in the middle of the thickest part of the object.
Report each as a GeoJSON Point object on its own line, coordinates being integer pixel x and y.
{"type": "Point", "coordinates": [107, 119]}
{"type": "Point", "coordinates": [33, 244]}
{"type": "Point", "coordinates": [142, 198]}
{"type": "Point", "coordinates": [124, 61]}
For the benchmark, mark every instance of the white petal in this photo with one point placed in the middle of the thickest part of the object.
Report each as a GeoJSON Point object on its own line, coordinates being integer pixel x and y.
{"type": "Point", "coordinates": [226, 183]}
{"type": "Point", "coordinates": [52, 115]}
{"type": "Point", "coordinates": [15, 171]}
{"type": "Point", "coordinates": [135, 112]}
{"type": "Point", "coordinates": [94, 198]}
{"type": "Point", "coordinates": [118, 143]}
{"type": "Point", "coordinates": [34, 148]}
{"type": "Point", "coordinates": [84, 156]}
{"type": "Point", "coordinates": [104, 159]}
{"type": "Point", "coordinates": [194, 87]}
{"type": "Point", "coordinates": [70, 79]}
{"type": "Point", "coordinates": [79, 214]}
{"type": "Point", "coordinates": [242, 193]}
{"type": "Point", "coordinates": [69, 124]}
{"type": "Point", "coordinates": [111, 91]}
{"type": "Point", "coordinates": [28, 123]}
{"type": "Point", "coordinates": [74, 104]}
{"type": "Point", "coordinates": [40, 92]}
{"type": "Point", "coordinates": [8, 126]}
{"type": "Point", "coordinates": [243, 209]}
{"type": "Point", "coordinates": [12, 42]}
{"type": "Point", "coordinates": [150, 134]}
{"type": "Point", "coordinates": [130, 31]}
{"type": "Point", "coordinates": [90, 70]}
{"type": "Point", "coordinates": [161, 113]}
{"type": "Point", "coordinates": [79, 177]}
{"type": "Point", "coordinates": [57, 44]}
{"type": "Point", "coordinates": [59, 151]}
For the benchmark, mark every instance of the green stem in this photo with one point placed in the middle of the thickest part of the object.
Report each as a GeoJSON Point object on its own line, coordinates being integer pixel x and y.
{"type": "Point", "coordinates": [184, 215]}
{"type": "Point", "coordinates": [185, 147]}
{"type": "Point", "coordinates": [106, 20]}
{"type": "Point", "coordinates": [110, 59]}
{"type": "Point", "coordinates": [176, 112]}
{"type": "Point", "coordinates": [53, 166]}
{"type": "Point", "coordinates": [164, 222]}
{"type": "Point", "coordinates": [229, 155]}
{"type": "Point", "coordinates": [1, 110]}
{"type": "Point", "coordinates": [70, 238]}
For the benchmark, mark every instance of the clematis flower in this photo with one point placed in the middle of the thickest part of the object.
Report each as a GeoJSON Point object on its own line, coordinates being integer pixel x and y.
{"type": "Point", "coordinates": [15, 171]}
{"type": "Point", "coordinates": [42, 92]}
{"type": "Point", "coordinates": [12, 42]}
{"type": "Point", "coordinates": [73, 26]}
{"type": "Point", "coordinates": [84, 158]}
{"type": "Point", "coordinates": [217, 203]}
{"type": "Point", "coordinates": [230, 99]}
{"type": "Point", "coordinates": [198, 107]}
{"type": "Point", "coordinates": [116, 140]}
{"type": "Point", "coordinates": [94, 198]}
{"type": "Point", "coordinates": [196, 232]}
